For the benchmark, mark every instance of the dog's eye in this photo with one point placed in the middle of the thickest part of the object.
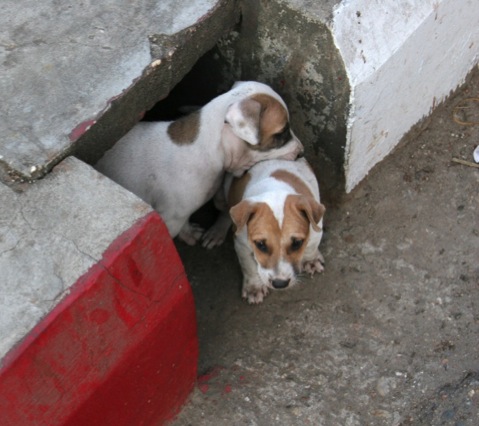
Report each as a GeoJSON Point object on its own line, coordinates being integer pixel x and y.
{"type": "Point", "coordinates": [282, 137]}
{"type": "Point", "coordinates": [296, 244]}
{"type": "Point", "coordinates": [261, 246]}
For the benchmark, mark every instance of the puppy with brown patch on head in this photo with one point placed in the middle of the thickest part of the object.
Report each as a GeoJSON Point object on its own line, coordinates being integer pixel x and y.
{"type": "Point", "coordinates": [176, 167]}
{"type": "Point", "coordinates": [278, 218]}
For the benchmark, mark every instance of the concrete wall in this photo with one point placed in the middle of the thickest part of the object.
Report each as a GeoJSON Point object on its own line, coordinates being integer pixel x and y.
{"type": "Point", "coordinates": [402, 59]}
{"type": "Point", "coordinates": [357, 74]}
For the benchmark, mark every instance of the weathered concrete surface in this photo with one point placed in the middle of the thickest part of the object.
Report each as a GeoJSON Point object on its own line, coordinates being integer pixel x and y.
{"type": "Point", "coordinates": [50, 235]}
{"type": "Point", "coordinates": [69, 67]}
{"type": "Point", "coordinates": [294, 52]}
{"type": "Point", "coordinates": [388, 334]}
{"type": "Point", "coordinates": [402, 59]}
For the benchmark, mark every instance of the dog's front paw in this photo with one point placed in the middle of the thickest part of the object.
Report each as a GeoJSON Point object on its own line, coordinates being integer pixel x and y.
{"type": "Point", "coordinates": [254, 294]}
{"type": "Point", "coordinates": [315, 265]}
{"type": "Point", "coordinates": [215, 236]}
{"type": "Point", "coordinates": [190, 233]}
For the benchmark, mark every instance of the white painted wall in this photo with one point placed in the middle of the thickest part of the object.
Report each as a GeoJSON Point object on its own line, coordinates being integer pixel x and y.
{"type": "Point", "coordinates": [402, 57]}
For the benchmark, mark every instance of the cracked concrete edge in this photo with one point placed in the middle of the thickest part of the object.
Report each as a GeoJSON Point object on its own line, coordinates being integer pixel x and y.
{"type": "Point", "coordinates": [50, 235]}
{"type": "Point", "coordinates": [172, 57]}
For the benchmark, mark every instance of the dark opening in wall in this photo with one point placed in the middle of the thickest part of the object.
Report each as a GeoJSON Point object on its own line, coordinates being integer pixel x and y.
{"type": "Point", "coordinates": [204, 82]}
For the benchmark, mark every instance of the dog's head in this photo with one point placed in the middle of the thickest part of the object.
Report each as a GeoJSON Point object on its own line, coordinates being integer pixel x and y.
{"type": "Point", "coordinates": [278, 231]}
{"type": "Point", "coordinates": [261, 118]}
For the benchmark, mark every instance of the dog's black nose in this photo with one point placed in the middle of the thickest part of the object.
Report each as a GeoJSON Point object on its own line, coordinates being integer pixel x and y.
{"type": "Point", "coordinates": [280, 283]}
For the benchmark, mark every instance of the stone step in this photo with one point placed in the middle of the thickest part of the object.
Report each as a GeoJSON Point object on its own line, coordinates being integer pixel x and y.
{"type": "Point", "coordinates": [97, 318]}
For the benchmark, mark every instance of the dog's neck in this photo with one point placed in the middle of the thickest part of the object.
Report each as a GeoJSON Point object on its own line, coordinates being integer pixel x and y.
{"type": "Point", "coordinates": [237, 154]}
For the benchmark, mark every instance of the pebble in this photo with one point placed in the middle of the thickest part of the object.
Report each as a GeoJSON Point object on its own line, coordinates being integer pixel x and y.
{"type": "Point", "coordinates": [384, 385]}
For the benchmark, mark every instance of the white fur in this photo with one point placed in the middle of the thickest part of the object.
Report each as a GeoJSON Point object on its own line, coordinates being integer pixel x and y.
{"type": "Point", "coordinates": [257, 281]}
{"type": "Point", "coordinates": [178, 179]}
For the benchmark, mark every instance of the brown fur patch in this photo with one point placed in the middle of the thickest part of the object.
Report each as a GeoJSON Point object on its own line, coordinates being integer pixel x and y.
{"type": "Point", "coordinates": [273, 120]}
{"type": "Point", "coordinates": [263, 226]}
{"type": "Point", "coordinates": [295, 227]}
{"type": "Point", "coordinates": [308, 207]}
{"type": "Point", "coordinates": [296, 182]}
{"type": "Point", "coordinates": [238, 186]}
{"type": "Point", "coordinates": [313, 210]}
{"type": "Point", "coordinates": [184, 131]}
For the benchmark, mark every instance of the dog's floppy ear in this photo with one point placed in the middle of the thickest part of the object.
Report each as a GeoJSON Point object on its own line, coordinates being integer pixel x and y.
{"type": "Point", "coordinates": [241, 213]}
{"type": "Point", "coordinates": [313, 210]}
{"type": "Point", "coordinates": [244, 118]}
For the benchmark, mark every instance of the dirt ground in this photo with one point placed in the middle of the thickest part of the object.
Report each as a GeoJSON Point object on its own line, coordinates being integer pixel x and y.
{"type": "Point", "coordinates": [389, 333]}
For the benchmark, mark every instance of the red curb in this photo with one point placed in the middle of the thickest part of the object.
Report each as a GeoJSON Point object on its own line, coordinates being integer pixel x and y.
{"type": "Point", "coordinates": [120, 349]}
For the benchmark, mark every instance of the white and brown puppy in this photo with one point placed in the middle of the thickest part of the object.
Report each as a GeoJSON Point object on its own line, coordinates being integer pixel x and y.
{"type": "Point", "coordinates": [176, 167]}
{"type": "Point", "coordinates": [278, 218]}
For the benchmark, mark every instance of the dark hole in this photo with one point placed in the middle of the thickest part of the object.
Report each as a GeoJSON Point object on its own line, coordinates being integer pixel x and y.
{"type": "Point", "coordinates": [204, 82]}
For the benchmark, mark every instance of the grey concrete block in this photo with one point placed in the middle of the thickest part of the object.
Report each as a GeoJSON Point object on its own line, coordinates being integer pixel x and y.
{"type": "Point", "coordinates": [65, 67]}
{"type": "Point", "coordinates": [50, 235]}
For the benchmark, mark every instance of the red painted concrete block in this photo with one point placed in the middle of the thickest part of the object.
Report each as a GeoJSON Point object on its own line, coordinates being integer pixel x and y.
{"type": "Point", "coordinates": [120, 349]}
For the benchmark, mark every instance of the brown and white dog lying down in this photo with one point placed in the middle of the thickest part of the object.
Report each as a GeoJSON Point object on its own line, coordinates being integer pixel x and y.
{"type": "Point", "coordinates": [176, 167]}
{"type": "Point", "coordinates": [278, 218]}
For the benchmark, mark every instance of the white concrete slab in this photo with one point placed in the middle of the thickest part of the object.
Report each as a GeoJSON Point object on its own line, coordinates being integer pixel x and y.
{"type": "Point", "coordinates": [402, 59]}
